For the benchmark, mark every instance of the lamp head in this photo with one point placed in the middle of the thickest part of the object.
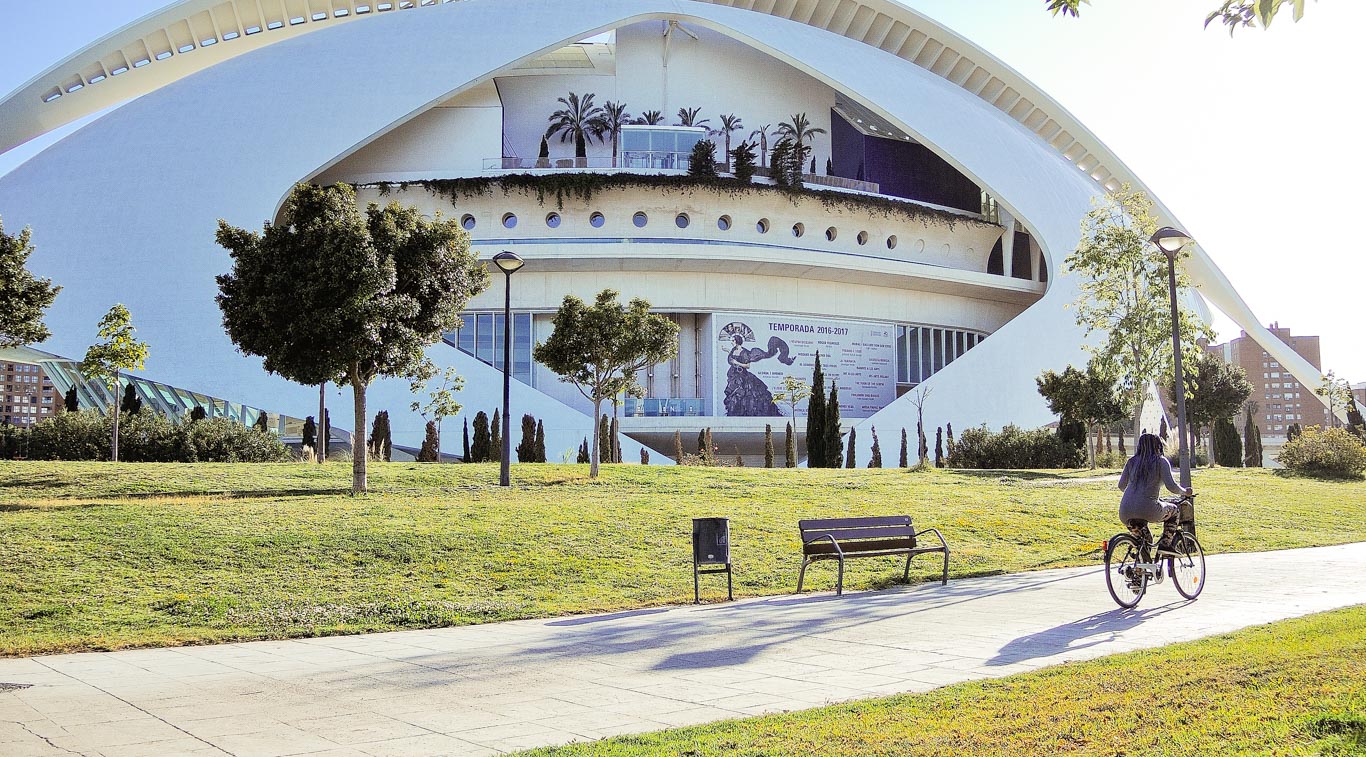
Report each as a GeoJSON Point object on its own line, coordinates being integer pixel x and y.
{"type": "Point", "coordinates": [1170, 240]}
{"type": "Point", "coordinates": [508, 262]}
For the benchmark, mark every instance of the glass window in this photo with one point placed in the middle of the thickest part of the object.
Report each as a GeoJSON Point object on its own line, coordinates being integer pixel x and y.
{"type": "Point", "coordinates": [509, 220]}
{"type": "Point", "coordinates": [926, 355]}
{"type": "Point", "coordinates": [465, 339]}
{"type": "Point", "coordinates": [681, 220]}
{"type": "Point", "coordinates": [723, 223]}
{"type": "Point", "coordinates": [938, 343]}
{"type": "Point", "coordinates": [467, 222]}
{"type": "Point", "coordinates": [640, 219]}
{"type": "Point", "coordinates": [959, 347]}
{"type": "Point", "coordinates": [484, 337]}
{"type": "Point", "coordinates": [596, 220]}
{"type": "Point", "coordinates": [903, 365]}
{"type": "Point", "coordinates": [553, 220]}
{"type": "Point", "coordinates": [498, 323]}
{"type": "Point", "coordinates": [635, 139]}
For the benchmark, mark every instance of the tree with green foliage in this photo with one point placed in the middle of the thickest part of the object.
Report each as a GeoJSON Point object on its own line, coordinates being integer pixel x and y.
{"type": "Point", "coordinates": [23, 297]}
{"type": "Point", "coordinates": [780, 163]}
{"type": "Point", "coordinates": [650, 118]}
{"type": "Point", "coordinates": [678, 446]}
{"type": "Point", "coordinates": [1228, 446]}
{"type": "Point", "coordinates": [331, 294]}
{"type": "Point", "coordinates": [262, 423]}
{"type": "Point", "coordinates": [481, 449]}
{"type": "Point", "coordinates": [850, 459]}
{"type": "Point", "coordinates": [768, 446]}
{"type": "Point", "coordinates": [607, 125]}
{"type": "Point", "coordinates": [834, 440]}
{"type": "Point", "coordinates": [466, 456]}
{"type": "Point", "coordinates": [70, 401]}
{"type": "Point", "coordinates": [798, 128]}
{"type": "Point", "coordinates": [702, 160]}
{"type": "Point", "coordinates": [644, 456]}
{"type": "Point", "coordinates": [1085, 396]}
{"type": "Point", "coordinates": [1215, 391]}
{"type": "Point", "coordinates": [615, 431]}
{"type": "Point", "coordinates": [790, 447]}
{"type": "Point", "coordinates": [131, 403]}
{"type": "Point", "coordinates": [575, 121]}
{"type": "Point", "coordinates": [1234, 14]}
{"type": "Point", "coordinates": [730, 123]}
{"type": "Point", "coordinates": [543, 157]}
{"type": "Point", "coordinates": [1124, 297]}
{"type": "Point", "coordinates": [526, 448]}
{"type": "Point", "coordinates": [583, 457]}
{"type": "Point", "coordinates": [441, 403]}
{"type": "Point", "coordinates": [381, 439]}
{"type": "Point", "coordinates": [496, 437]}
{"type": "Point", "coordinates": [815, 418]}
{"type": "Point", "coordinates": [605, 438]}
{"type": "Point", "coordinates": [430, 451]}
{"type": "Point", "coordinates": [762, 133]}
{"type": "Point", "coordinates": [793, 390]}
{"type": "Point", "coordinates": [307, 438]}
{"type": "Point", "coordinates": [919, 396]}
{"type": "Point", "coordinates": [745, 162]}
{"type": "Point", "coordinates": [689, 117]}
{"type": "Point", "coordinates": [118, 350]}
{"type": "Point", "coordinates": [905, 460]}
{"type": "Point", "coordinates": [1293, 432]}
{"type": "Point", "coordinates": [1252, 437]}
{"type": "Point", "coordinates": [599, 348]}
{"type": "Point", "coordinates": [713, 452]}
{"type": "Point", "coordinates": [939, 447]}
{"type": "Point", "coordinates": [1336, 392]}
{"type": "Point", "coordinates": [540, 442]}
{"type": "Point", "coordinates": [948, 444]}
{"type": "Point", "coordinates": [875, 460]}
{"type": "Point", "coordinates": [1356, 425]}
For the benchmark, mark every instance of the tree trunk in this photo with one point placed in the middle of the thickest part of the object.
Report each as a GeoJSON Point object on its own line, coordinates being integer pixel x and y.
{"type": "Point", "coordinates": [616, 428]}
{"type": "Point", "coordinates": [1138, 420]}
{"type": "Point", "coordinates": [1091, 447]}
{"type": "Point", "coordinates": [118, 397]}
{"type": "Point", "coordinates": [359, 482]}
{"type": "Point", "coordinates": [593, 450]}
{"type": "Point", "coordinates": [319, 443]}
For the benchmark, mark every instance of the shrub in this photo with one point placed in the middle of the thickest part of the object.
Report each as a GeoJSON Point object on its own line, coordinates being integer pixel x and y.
{"type": "Point", "coordinates": [1317, 452]}
{"type": "Point", "coordinates": [150, 438]}
{"type": "Point", "coordinates": [1014, 447]}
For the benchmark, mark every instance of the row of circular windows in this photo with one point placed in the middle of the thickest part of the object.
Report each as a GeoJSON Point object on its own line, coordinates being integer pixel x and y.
{"type": "Point", "coordinates": [641, 220]}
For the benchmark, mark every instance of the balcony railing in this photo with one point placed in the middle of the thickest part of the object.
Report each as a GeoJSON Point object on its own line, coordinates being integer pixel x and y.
{"type": "Point", "coordinates": [633, 160]}
{"type": "Point", "coordinates": [662, 408]}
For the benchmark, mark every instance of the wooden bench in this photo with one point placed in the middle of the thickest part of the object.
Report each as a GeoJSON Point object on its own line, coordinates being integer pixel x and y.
{"type": "Point", "coordinates": [841, 538]}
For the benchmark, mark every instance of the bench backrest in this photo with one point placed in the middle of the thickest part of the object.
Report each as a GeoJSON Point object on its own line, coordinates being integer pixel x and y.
{"type": "Point", "coordinates": [854, 529]}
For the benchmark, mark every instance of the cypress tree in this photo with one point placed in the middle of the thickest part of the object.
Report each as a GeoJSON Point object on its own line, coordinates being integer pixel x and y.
{"type": "Point", "coordinates": [876, 460]}
{"type": "Point", "coordinates": [479, 452]}
{"type": "Point", "coordinates": [1162, 429]}
{"type": "Point", "coordinates": [605, 439]}
{"type": "Point", "coordinates": [834, 445]}
{"type": "Point", "coordinates": [712, 457]}
{"type": "Point", "coordinates": [431, 446]}
{"type": "Point", "coordinates": [1252, 444]}
{"type": "Point", "coordinates": [790, 447]}
{"type": "Point", "coordinates": [496, 437]}
{"type": "Point", "coordinates": [73, 403]}
{"type": "Point", "coordinates": [584, 454]}
{"type": "Point", "coordinates": [815, 418]}
{"type": "Point", "coordinates": [948, 443]}
{"type": "Point", "coordinates": [1356, 425]}
{"type": "Point", "coordinates": [768, 446]}
{"type": "Point", "coordinates": [466, 456]}
{"type": "Point", "coordinates": [526, 448]}
{"type": "Point", "coordinates": [739, 461]}
{"type": "Point", "coordinates": [131, 404]}
{"type": "Point", "coordinates": [309, 434]}
{"type": "Point", "coordinates": [1292, 433]}
{"type": "Point", "coordinates": [325, 440]}
{"type": "Point", "coordinates": [380, 444]}
{"type": "Point", "coordinates": [615, 432]}
{"type": "Point", "coordinates": [939, 447]}
{"type": "Point", "coordinates": [702, 445]}
{"type": "Point", "coordinates": [849, 461]}
{"type": "Point", "coordinates": [905, 460]}
{"type": "Point", "coordinates": [678, 446]}
{"type": "Point", "coordinates": [923, 450]}
{"type": "Point", "coordinates": [1228, 448]}
{"type": "Point", "coordinates": [644, 456]}
{"type": "Point", "coordinates": [540, 442]}
{"type": "Point", "coordinates": [262, 424]}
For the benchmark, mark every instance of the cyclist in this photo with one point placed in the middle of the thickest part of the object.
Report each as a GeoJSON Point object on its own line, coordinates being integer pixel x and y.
{"type": "Point", "coordinates": [1143, 478]}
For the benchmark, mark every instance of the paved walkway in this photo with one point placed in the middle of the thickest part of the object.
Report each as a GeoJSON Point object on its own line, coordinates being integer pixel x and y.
{"type": "Point", "coordinates": [489, 689]}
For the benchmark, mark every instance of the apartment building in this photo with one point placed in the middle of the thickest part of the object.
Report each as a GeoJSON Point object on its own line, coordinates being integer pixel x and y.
{"type": "Point", "coordinates": [26, 394]}
{"type": "Point", "coordinates": [1283, 400]}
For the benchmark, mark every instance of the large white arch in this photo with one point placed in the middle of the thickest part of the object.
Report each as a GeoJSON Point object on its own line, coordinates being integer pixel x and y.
{"type": "Point", "coordinates": [146, 181]}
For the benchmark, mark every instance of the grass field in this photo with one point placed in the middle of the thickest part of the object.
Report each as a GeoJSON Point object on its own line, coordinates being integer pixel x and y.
{"type": "Point", "coordinates": [1297, 687]}
{"type": "Point", "coordinates": [100, 556]}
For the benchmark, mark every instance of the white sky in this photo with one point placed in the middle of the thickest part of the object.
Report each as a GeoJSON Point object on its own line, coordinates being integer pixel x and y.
{"type": "Point", "coordinates": [1251, 141]}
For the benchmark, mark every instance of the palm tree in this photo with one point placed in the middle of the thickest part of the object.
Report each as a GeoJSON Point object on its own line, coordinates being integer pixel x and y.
{"type": "Point", "coordinates": [650, 118]}
{"type": "Point", "coordinates": [762, 134]}
{"type": "Point", "coordinates": [801, 132]}
{"type": "Point", "coordinates": [574, 121]}
{"type": "Point", "coordinates": [688, 117]}
{"type": "Point", "coordinates": [608, 124]}
{"type": "Point", "coordinates": [729, 123]}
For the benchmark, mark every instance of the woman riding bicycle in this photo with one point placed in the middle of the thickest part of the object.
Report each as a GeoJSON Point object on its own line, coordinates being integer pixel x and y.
{"type": "Point", "coordinates": [1142, 480]}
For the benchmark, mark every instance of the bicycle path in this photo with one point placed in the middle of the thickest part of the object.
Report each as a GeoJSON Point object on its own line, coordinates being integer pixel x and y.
{"type": "Point", "coordinates": [481, 690]}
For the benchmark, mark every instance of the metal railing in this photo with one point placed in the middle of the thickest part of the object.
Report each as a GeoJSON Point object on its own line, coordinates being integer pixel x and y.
{"type": "Point", "coordinates": [662, 407]}
{"type": "Point", "coordinates": [635, 160]}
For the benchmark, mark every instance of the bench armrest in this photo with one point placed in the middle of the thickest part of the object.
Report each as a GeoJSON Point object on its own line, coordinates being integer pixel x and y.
{"type": "Point", "coordinates": [935, 531]}
{"type": "Point", "coordinates": [829, 537]}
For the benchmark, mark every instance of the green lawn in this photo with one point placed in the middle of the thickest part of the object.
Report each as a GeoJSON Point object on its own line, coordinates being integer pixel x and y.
{"type": "Point", "coordinates": [101, 556]}
{"type": "Point", "coordinates": [1297, 687]}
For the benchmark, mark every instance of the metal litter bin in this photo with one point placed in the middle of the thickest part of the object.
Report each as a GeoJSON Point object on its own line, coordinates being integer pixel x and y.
{"type": "Point", "coordinates": [711, 546]}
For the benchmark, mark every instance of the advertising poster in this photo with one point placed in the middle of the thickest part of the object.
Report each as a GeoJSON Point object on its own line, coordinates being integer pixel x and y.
{"type": "Point", "coordinates": [755, 353]}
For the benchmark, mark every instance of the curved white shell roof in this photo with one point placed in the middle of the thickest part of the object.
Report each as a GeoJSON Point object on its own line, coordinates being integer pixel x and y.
{"type": "Point", "coordinates": [218, 133]}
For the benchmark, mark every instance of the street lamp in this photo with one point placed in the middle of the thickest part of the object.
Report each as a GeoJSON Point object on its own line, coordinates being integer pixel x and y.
{"type": "Point", "coordinates": [1170, 241]}
{"type": "Point", "coordinates": [509, 263]}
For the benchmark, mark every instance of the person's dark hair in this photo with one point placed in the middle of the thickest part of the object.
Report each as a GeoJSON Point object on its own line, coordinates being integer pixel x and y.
{"type": "Point", "coordinates": [739, 340]}
{"type": "Point", "coordinates": [1147, 461]}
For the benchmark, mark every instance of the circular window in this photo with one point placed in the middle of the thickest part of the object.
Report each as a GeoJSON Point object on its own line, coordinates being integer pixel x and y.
{"type": "Point", "coordinates": [597, 220]}
{"type": "Point", "coordinates": [798, 229]}
{"type": "Point", "coordinates": [831, 233]}
{"type": "Point", "coordinates": [509, 220]}
{"type": "Point", "coordinates": [761, 226]}
{"type": "Point", "coordinates": [862, 237]}
{"type": "Point", "coordinates": [467, 222]}
{"type": "Point", "coordinates": [723, 223]}
{"type": "Point", "coordinates": [681, 220]}
{"type": "Point", "coordinates": [553, 220]}
{"type": "Point", "coordinates": [891, 242]}
{"type": "Point", "coordinates": [640, 219]}
{"type": "Point", "coordinates": [919, 246]}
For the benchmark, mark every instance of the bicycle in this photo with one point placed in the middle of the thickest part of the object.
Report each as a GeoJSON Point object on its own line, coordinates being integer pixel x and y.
{"type": "Point", "coordinates": [1131, 564]}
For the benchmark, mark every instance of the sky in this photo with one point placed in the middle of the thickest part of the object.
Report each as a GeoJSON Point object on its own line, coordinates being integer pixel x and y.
{"type": "Point", "coordinates": [1250, 140]}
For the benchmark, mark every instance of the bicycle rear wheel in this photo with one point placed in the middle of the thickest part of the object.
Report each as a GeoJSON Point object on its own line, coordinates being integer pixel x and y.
{"type": "Point", "coordinates": [1187, 568]}
{"type": "Point", "coordinates": [1126, 581]}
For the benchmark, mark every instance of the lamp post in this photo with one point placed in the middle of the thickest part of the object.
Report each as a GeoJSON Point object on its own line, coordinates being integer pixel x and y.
{"type": "Point", "coordinates": [1170, 241]}
{"type": "Point", "coordinates": [509, 263]}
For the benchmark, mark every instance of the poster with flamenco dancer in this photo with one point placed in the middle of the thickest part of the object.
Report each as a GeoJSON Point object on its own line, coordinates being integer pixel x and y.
{"type": "Point", "coordinates": [758, 351]}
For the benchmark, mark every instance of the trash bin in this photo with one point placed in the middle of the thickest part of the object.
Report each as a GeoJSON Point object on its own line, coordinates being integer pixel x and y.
{"type": "Point", "coordinates": [711, 546]}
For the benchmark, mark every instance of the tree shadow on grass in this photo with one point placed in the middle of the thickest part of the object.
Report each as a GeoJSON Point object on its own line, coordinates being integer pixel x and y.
{"type": "Point", "coordinates": [109, 498]}
{"type": "Point", "coordinates": [1023, 475]}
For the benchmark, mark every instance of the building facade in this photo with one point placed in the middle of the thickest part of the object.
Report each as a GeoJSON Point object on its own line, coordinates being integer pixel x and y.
{"type": "Point", "coordinates": [923, 247]}
{"type": "Point", "coordinates": [28, 394]}
{"type": "Point", "coordinates": [1283, 399]}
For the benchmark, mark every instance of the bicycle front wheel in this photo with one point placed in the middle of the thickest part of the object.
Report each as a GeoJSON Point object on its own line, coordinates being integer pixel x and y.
{"type": "Point", "coordinates": [1127, 582]}
{"type": "Point", "coordinates": [1187, 568]}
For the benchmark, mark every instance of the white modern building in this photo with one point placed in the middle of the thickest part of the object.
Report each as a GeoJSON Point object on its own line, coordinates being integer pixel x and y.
{"type": "Point", "coordinates": [926, 247]}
